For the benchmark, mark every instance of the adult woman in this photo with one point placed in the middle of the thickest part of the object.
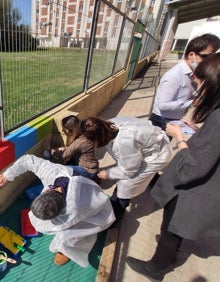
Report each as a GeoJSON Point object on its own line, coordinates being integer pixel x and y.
{"type": "Point", "coordinates": [189, 187]}
{"type": "Point", "coordinates": [79, 151]}
{"type": "Point", "coordinates": [139, 149]}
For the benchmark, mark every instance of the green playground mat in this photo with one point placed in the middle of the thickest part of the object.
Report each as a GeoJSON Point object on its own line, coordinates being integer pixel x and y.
{"type": "Point", "coordinates": [35, 264]}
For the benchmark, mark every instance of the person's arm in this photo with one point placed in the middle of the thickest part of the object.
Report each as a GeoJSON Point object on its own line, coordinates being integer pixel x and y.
{"type": "Point", "coordinates": [166, 97]}
{"type": "Point", "coordinates": [65, 153]}
{"type": "Point", "coordinates": [175, 131]}
{"type": "Point", "coordinates": [43, 169]}
{"type": "Point", "coordinates": [199, 161]}
{"type": "Point", "coordinates": [23, 164]}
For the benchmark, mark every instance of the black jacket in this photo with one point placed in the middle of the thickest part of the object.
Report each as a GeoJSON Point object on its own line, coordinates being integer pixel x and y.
{"type": "Point", "coordinates": [194, 176]}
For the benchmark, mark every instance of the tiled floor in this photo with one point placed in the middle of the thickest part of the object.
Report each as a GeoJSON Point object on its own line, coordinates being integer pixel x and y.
{"type": "Point", "coordinates": [197, 261]}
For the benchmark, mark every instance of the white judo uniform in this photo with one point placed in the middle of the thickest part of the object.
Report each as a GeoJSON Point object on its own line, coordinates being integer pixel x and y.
{"type": "Point", "coordinates": [140, 150]}
{"type": "Point", "coordinates": [87, 212]}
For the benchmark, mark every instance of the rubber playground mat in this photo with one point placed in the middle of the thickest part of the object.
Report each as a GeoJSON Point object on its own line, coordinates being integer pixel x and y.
{"type": "Point", "coordinates": [36, 262]}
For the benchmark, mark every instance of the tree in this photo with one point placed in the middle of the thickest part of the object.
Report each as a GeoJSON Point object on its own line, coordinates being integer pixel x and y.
{"type": "Point", "coordinates": [9, 16]}
{"type": "Point", "coordinates": [14, 36]}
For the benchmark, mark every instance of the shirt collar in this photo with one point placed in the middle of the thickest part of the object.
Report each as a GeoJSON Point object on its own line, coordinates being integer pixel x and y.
{"type": "Point", "coordinates": [186, 69]}
{"type": "Point", "coordinates": [62, 182]}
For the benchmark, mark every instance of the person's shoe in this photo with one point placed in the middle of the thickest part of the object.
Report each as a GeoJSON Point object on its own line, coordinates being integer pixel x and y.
{"type": "Point", "coordinates": [174, 259]}
{"type": "Point", "coordinates": [146, 268]}
{"type": "Point", "coordinates": [60, 259]}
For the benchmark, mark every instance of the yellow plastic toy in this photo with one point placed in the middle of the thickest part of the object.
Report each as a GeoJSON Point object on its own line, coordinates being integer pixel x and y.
{"type": "Point", "coordinates": [11, 241]}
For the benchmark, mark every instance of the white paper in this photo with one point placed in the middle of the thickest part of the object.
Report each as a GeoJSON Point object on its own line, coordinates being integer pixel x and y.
{"type": "Point", "coordinates": [186, 129]}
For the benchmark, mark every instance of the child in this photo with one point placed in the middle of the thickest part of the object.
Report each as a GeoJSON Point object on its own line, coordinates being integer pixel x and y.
{"type": "Point", "coordinates": [79, 151]}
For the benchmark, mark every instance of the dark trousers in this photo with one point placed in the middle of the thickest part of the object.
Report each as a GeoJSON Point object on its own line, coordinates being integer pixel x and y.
{"type": "Point", "coordinates": [79, 170]}
{"type": "Point", "coordinates": [119, 205]}
{"type": "Point", "coordinates": [160, 122]}
{"type": "Point", "coordinates": [169, 242]}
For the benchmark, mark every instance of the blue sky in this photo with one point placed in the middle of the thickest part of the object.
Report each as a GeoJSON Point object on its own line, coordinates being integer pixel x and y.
{"type": "Point", "coordinates": [24, 7]}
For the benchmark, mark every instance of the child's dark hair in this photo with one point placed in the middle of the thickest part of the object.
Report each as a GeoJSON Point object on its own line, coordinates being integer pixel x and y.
{"type": "Point", "coordinates": [100, 131]}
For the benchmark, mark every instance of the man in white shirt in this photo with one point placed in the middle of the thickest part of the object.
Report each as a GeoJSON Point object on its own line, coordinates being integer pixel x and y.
{"type": "Point", "coordinates": [175, 91]}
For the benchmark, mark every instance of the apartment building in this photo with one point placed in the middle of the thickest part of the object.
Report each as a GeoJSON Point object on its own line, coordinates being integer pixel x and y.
{"type": "Point", "coordinates": [68, 23]}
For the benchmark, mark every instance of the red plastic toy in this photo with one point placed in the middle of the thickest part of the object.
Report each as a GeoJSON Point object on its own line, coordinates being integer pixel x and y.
{"type": "Point", "coordinates": [27, 229]}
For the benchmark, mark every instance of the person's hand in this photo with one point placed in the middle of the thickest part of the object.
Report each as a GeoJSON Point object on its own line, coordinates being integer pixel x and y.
{"type": "Point", "coordinates": [103, 174]}
{"type": "Point", "coordinates": [174, 130]}
{"type": "Point", "coordinates": [3, 180]}
{"type": "Point", "coordinates": [59, 149]}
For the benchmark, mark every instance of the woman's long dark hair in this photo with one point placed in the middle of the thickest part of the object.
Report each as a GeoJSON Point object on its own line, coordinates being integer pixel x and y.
{"type": "Point", "coordinates": [208, 71]}
{"type": "Point", "coordinates": [100, 131]}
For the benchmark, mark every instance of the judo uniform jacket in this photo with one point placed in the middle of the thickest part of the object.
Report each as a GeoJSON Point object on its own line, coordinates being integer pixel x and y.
{"type": "Point", "coordinates": [88, 210]}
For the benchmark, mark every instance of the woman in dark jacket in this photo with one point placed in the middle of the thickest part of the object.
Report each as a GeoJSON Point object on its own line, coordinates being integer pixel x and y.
{"type": "Point", "coordinates": [188, 190]}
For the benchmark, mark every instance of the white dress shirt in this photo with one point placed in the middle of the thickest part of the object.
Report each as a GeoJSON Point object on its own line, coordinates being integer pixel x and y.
{"type": "Point", "coordinates": [174, 93]}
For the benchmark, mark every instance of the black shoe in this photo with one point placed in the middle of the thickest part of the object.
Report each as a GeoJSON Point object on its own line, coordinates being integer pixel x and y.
{"type": "Point", "coordinates": [146, 268]}
{"type": "Point", "coordinates": [174, 259]}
